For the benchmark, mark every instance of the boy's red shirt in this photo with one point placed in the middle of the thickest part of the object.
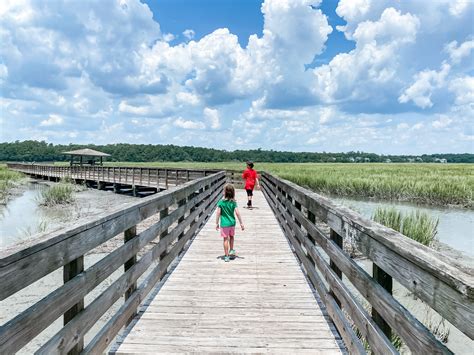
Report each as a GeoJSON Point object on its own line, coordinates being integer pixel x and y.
{"type": "Point", "coordinates": [250, 176]}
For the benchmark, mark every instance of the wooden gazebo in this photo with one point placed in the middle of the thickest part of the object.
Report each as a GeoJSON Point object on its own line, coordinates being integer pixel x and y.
{"type": "Point", "coordinates": [89, 154]}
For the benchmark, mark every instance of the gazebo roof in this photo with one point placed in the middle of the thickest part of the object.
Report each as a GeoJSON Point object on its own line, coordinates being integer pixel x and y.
{"type": "Point", "coordinates": [87, 152]}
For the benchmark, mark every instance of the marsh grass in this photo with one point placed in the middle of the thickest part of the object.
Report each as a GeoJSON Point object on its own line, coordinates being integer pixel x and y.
{"type": "Point", "coordinates": [57, 195]}
{"type": "Point", "coordinates": [422, 228]}
{"type": "Point", "coordinates": [7, 181]}
{"type": "Point", "coordinates": [416, 225]}
{"type": "Point", "coordinates": [427, 183]}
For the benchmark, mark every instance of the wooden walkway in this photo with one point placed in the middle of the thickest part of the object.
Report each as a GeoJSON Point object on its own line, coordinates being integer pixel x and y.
{"type": "Point", "coordinates": [258, 303]}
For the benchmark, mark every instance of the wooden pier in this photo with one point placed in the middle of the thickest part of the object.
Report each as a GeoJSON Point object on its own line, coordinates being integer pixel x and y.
{"type": "Point", "coordinates": [286, 292]}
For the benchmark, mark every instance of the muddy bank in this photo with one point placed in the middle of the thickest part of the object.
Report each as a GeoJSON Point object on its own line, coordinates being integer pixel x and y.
{"type": "Point", "coordinates": [87, 204]}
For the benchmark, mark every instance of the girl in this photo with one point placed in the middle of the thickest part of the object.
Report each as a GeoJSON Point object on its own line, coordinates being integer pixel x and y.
{"type": "Point", "coordinates": [226, 212]}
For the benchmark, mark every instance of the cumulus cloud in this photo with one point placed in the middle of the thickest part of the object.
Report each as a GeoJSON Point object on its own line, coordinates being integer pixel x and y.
{"type": "Point", "coordinates": [424, 83]}
{"type": "Point", "coordinates": [360, 73]}
{"type": "Point", "coordinates": [463, 88]}
{"type": "Point", "coordinates": [442, 122]}
{"type": "Point", "coordinates": [458, 53]}
{"type": "Point", "coordinates": [52, 120]}
{"type": "Point", "coordinates": [189, 34]}
{"type": "Point", "coordinates": [212, 116]}
{"type": "Point", "coordinates": [188, 124]}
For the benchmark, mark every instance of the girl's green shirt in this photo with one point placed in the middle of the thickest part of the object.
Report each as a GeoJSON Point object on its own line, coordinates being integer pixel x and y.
{"type": "Point", "coordinates": [227, 212]}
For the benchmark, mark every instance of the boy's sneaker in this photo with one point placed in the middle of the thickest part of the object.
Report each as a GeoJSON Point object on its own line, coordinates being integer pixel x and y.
{"type": "Point", "coordinates": [226, 259]}
{"type": "Point", "coordinates": [249, 204]}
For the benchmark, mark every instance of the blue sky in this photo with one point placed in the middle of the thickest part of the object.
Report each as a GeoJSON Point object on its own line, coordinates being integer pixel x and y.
{"type": "Point", "coordinates": [391, 77]}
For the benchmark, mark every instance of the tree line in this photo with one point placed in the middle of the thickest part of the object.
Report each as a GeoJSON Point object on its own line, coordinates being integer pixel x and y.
{"type": "Point", "coordinates": [35, 151]}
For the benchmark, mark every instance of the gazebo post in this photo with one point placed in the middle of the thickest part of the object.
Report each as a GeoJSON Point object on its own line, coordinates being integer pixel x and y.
{"type": "Point", "coordinates": [72, 160]}
{"type": "Point", "coordinates": [81, 160]}
{"type": "Point", "coordinates": [100, 161]}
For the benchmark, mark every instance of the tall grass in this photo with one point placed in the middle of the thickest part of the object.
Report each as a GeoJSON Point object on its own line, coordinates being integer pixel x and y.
{"type": "Point", "coordinates": [416, 225]}
{"type": "Point", "coordinates": [57, 195]}
{"type": "Point", "coordinates": [434, 184]}
{"type": "Point", "coordinates": [7, 181]}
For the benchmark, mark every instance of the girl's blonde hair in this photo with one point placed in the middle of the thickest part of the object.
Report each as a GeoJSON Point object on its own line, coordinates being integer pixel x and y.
{"type": "Point", "coordinates": [229, 192]}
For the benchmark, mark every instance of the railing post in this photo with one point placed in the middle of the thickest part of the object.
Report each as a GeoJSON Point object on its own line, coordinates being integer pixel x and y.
{"type": "Point", "coordinates": [157, 179]}
{"type": "Point", "coordinates": [385, 280]}
{"type": "Point", "coordinates": [166, 179]}
{"type": "Point", "coordinates": [336, 238]}
{"type": "Point", "coordinates": [128, 235]}
{"type": "Point", "coordinates": [70, 270]}
{"type": "Point", "coordinates": [163, 214]}
{"type": "Point", "coordinates": [177, 182]}
{"type": "Point", "coordinates": [181, 219]}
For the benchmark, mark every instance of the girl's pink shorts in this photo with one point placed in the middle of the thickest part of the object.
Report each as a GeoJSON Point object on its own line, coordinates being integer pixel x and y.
{"type": "Point", "coordinates": [227, 231]}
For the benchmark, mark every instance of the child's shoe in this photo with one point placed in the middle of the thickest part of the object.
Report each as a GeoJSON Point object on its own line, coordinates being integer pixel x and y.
{"type": "Point", "coordinates": [232, 254]}
{"type": "Point", "coordinates": [226, 258]}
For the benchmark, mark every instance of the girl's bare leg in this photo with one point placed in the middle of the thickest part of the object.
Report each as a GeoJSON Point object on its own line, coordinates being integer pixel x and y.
{"type": "Point", "coordinates": [226, 246]}
{"type": "Point", "coordinates": [231, 241]}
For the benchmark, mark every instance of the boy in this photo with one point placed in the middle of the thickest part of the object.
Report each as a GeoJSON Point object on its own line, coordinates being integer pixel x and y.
{"type": "Point", "coordinates": [251, 178]}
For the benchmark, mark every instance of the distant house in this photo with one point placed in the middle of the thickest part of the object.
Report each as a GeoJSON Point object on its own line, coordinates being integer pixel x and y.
{"type": "Point", "coordinates": [418, 159]}
{"type": "Point", "coordinates": [438, 160]}
{"type": "Point", "coordinates": [388, 161]}
{"type": "Point", "coordinates": [411, 160]}
{"type": "Point", "coordinates": [351, 159]}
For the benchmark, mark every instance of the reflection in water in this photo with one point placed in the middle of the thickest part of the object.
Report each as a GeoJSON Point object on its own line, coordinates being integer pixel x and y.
{"type": "Point", "coordinates": [455, 228]}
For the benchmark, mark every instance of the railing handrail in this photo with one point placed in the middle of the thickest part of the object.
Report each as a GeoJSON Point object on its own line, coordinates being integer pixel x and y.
{"type": "Point", "coordinates": [430, 275]}
{"type": "Point", "coordinates": [171, 168]}
{"type": "Point", "coordinates": [21, 266]}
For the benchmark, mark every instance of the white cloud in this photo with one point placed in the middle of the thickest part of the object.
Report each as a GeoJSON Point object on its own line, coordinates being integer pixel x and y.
{"type": "Point", "coordinates": [458, 7]}
{"type": "Point", "coordinates": [168, 37]}
{"type": "Point", "coordinates": [186, 124]}
{"type": "Point", "coordinates": [458, 53]}
{"type": "Point", "coordinates": [135, 110]}
{"type": "Point", "coordinates": [212, 117]}
{"type": "Point", "coordinates": [372, 64]}
{"type": "Point", "coordinates": [52, 120]}
{"type": "Point", "coordinates": [189, 34]}
{"type": "Point", "coordinates": [463, 89]}
{"type": "Point", "coordinates": [188, 98]}
{"type": "Point", "coordinates": [425, 82]}
{"type": "Point", "coordinates": [442, 122]}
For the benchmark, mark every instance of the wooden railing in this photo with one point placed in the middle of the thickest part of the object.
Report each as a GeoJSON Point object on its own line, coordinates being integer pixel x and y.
{"type": "Point", "coordinates": [142, 176]}
{"type": "Point", "coordinates": [183, 210]}
{"type": "Point", "coordinates": [435, 279]}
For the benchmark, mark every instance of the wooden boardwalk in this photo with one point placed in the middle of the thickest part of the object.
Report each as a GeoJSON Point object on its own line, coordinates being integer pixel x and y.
{"type": "Point", "coordinates": [258, 303]}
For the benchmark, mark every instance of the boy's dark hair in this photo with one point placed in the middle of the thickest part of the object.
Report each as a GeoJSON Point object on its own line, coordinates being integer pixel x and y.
{"type": "Point", "coordinates": [250, 163]}
{"type": "Point", "coordinates": [229, 192]}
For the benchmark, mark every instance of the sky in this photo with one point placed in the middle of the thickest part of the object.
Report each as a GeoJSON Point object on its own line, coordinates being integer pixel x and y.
{"type": "Point", "coordinates": [389, 77]}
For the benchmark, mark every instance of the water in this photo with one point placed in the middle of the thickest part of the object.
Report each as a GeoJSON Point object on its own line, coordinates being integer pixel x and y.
{"type": "Point", "coordinates": [23, 216]}
{"type": "Point", "coordinates": [455, 228]}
